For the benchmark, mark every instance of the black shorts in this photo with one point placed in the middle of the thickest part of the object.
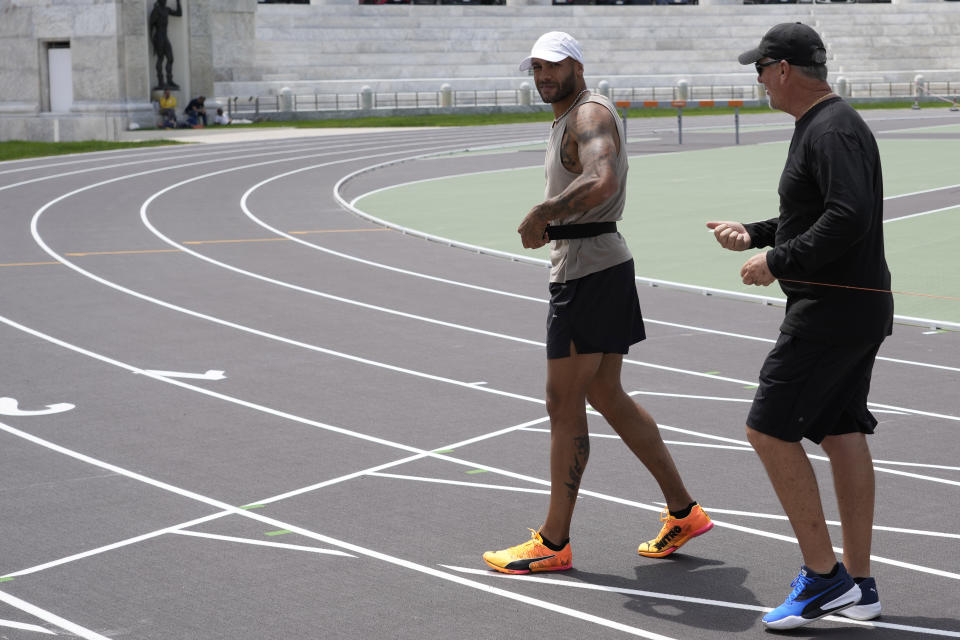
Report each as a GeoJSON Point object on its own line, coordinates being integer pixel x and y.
{"type": "Point", "coordinates": [599, 313]}
{"type": "Point", "coordinates": [813, 390]}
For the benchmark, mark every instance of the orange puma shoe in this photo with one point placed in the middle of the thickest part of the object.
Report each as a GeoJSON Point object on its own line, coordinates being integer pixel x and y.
{"type": "Point", "coordinates": [530, 557]}
{"type": "Point", "coordinates": [676, 532]}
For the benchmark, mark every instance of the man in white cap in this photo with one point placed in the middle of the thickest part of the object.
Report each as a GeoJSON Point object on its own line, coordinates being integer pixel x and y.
{"type": "Point", "coordinates": [827, 251]}
{"type": "Point", "coordinates": [594, 313]}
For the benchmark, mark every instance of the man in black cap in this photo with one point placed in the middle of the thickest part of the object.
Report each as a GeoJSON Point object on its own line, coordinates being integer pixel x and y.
{"type": "Point", "coordinates": [828, 256]}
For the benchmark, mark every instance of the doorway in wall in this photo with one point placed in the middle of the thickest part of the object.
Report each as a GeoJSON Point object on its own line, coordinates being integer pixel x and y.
{"type": "Point", "coordinates": [60, 65]}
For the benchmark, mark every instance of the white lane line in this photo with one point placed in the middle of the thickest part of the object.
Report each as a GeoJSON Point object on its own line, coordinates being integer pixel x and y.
{"type": "Point", "coordinates": [243, 205]}
{"type": "Point", "coordinates": [691, 600]}
{"type": "Point", "coordinates": [613, 436]}
{"type": "Point", "coordinates": [39, 240]}
{"type": "Point", "coordinates": [745, 446]}
{"type": "Point", "coordinates": [918, 476]}
{"type": "Point", "coordinates": [49, 617]}
{"type": "Point", "coordinates": [253, 515]}
{"type": "Point", "coordinates": [266, 501]}
{"type": "Point", "coordinates": [435, 454]}
{"type": "Point", "coordinates": [172, 167]}
{"type": "Point", "coordinates": [527, 259]}
{"type": "Point", "coordinates": [922, 213]}
{"type": "Point", "coordinates": [263, 543]}
{"type": "Point", "coordinates": [111, 547]}
{"type": "Point", "coordinates": [25, 627]}
{"type": "Point", "coordinates": [921, 192]}
{"type": "Point", "coordinates": [723, 524]}
{"type": "Point", "coordinates": [460, 483]}
{"type": "Point", "coordinates": [711, 509]}
{"type": "Point", "coordinates": [144, 217]}
{"type": "Point", "coordinates": [176, 152]}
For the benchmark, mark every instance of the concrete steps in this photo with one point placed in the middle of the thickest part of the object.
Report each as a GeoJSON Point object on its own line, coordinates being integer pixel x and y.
{"type": "Point", "coordinates": [343, 47]}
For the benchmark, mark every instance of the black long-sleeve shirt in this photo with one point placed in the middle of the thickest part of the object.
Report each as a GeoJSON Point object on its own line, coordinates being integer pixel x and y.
{"type": "Point", "coordinates": [830, 230]}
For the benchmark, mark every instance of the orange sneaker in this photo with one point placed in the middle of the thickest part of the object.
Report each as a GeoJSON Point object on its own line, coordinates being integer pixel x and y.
{"type": "Point", "coordinates": [529, 557]}
{"type": "Point", "coordinates": [676, 532]}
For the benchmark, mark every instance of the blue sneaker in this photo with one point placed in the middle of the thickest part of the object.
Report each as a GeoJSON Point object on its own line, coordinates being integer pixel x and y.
{"type": "Point", "coordinates": [869, 606]}
{"type": "Point", "coordinates": [814, 597]}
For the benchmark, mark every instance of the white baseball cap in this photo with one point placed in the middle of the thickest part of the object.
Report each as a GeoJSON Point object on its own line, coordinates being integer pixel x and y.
{"type": "Point", "coordinates": [553, 46]}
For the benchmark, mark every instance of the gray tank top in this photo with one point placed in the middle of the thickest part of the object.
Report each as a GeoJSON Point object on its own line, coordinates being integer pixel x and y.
{"type": "Point", "coordinates": [578, 257]}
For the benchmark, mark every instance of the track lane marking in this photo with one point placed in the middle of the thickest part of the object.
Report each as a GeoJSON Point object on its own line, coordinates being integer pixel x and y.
{"type": "Point", "coordinates": [262, 543]}
{"type": "Point", "coordinates": [432, 454]}
{"type": "Point", "coordinates": [357, 549]}
{"type": "Point", "coordinates": [692, 600]}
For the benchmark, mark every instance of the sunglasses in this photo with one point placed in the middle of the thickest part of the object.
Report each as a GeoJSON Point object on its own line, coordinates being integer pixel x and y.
{"type": "Point", "coordinates": [760, 65]}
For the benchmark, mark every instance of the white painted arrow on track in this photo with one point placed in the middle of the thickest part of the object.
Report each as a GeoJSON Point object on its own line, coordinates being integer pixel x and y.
{"type": "Point", "coordinates": [10, 407]}
{"type": "Point", "coordinates": [211, 374]}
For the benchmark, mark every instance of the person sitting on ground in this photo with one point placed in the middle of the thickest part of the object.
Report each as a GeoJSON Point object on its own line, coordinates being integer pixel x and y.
{"type": "Point", "coordinates": [168, 110]}
{"type": "Point", "coordinates": [221, 118]}
{"type": "Point", "coordinates": [196, 113]}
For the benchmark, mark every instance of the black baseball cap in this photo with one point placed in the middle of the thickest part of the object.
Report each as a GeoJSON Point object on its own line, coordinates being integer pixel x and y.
{"type": "Point", "coordinates": [794, 42]}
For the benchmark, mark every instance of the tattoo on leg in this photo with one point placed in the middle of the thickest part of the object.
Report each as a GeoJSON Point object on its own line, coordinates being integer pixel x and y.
{"type": "Point", "coordinates": [579, 464]}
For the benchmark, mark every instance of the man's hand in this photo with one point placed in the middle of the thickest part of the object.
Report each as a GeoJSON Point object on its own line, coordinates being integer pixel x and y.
{"type": "Point", "coordinates": [730, 235]}
{"type": "Point", "coordinates": [532, 229]}
{"type": "Point", "coordinates": [755, 271]}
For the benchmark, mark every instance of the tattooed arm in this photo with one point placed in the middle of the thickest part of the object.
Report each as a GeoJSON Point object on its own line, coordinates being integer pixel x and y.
{"type": "Point", "coordinates": [589, 147]}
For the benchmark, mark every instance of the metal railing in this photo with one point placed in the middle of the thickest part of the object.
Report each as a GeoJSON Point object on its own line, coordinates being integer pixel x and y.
{"type": "Point", "coordinates": [256, 106]}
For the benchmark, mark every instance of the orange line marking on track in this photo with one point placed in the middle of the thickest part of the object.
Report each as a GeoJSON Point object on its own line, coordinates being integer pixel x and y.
{"type": "Point", "coordinates": [82, 254]}
{"type": "Point", "coordinates": [27, 264]}
{"type": "Point", "coordinates": [339, 230]}
{"type": "Point", "coordinates": [232, 241]}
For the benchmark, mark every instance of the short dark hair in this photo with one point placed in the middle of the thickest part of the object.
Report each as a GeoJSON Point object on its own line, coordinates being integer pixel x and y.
{"type": "Point", "coordinates": [815, 71]}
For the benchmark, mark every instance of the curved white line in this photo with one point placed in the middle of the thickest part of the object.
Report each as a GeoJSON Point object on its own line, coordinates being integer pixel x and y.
{"type": "Point", "coordinates": [739, 295]}
{"type": "Point", "coordinates": [39, 240]}
{"type": "Point", "coordinates": [327, 427]}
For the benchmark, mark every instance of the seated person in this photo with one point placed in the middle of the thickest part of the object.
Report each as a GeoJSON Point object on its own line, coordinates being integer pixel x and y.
{"type": "Point", "coordinates": [168, 110]}
{"type": "Point", "coordinates": [196, 112]}
{"type": "Point", "coordinates": [220, 118]}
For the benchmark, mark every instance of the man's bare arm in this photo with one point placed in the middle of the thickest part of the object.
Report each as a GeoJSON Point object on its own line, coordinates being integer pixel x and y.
{"type": "Point", "coordinates": [590, 145]}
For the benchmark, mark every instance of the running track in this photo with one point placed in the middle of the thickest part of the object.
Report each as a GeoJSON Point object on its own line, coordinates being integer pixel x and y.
{"type": "Point", "coordinates": [232, 409]}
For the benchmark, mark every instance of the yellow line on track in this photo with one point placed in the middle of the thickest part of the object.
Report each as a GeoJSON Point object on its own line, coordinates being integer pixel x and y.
{"type": "Point", "coordinates": [81, 254]}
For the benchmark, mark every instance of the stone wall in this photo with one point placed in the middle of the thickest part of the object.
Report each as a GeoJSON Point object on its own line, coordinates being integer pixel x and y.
{"type": "Point", "coordinates": [110, 79]}
{"type": "Point", "coordinates": [242, 48]}
{"type": "Point", "coordinates": [114, 81]}
{"type": "Point", "coordinates": [332, 47]}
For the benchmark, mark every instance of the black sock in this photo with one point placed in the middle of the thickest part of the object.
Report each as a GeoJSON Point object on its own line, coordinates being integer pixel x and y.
{"type": "Point", "coordinates": [551, 546]}
{"type": "Point", "coordinates": [683, 513]}
{"type": "Point", "coordinates": [859, 580]}
{"type": "Point", "coordinates": [833, 572]}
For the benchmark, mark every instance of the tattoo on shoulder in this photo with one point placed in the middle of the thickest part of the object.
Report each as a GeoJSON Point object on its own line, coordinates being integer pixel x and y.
{"type": "Point", "coordinates": [591, 136]}
{"type": "Point", "coordinates": [569, 154]}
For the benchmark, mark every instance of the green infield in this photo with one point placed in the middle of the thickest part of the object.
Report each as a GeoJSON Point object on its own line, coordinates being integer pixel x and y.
{"type": "Point", "coordinates": [671, 196]}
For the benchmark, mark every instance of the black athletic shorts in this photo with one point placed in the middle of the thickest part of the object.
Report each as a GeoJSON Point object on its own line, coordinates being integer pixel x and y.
{"type": "Point", "coordinates": [813, 390]}
{"type": "Point", "coordinates": [599, 313]}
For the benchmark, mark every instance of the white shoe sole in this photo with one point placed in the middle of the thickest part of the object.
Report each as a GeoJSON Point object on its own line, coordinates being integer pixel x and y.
{"type": "Point", "coordinates": [837, 605]}
{"type": "Point", "coordinates": [862, 611]}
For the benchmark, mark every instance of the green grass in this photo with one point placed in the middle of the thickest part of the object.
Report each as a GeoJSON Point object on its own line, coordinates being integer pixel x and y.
{"type": "Point", "coordinates": [19, 149]}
